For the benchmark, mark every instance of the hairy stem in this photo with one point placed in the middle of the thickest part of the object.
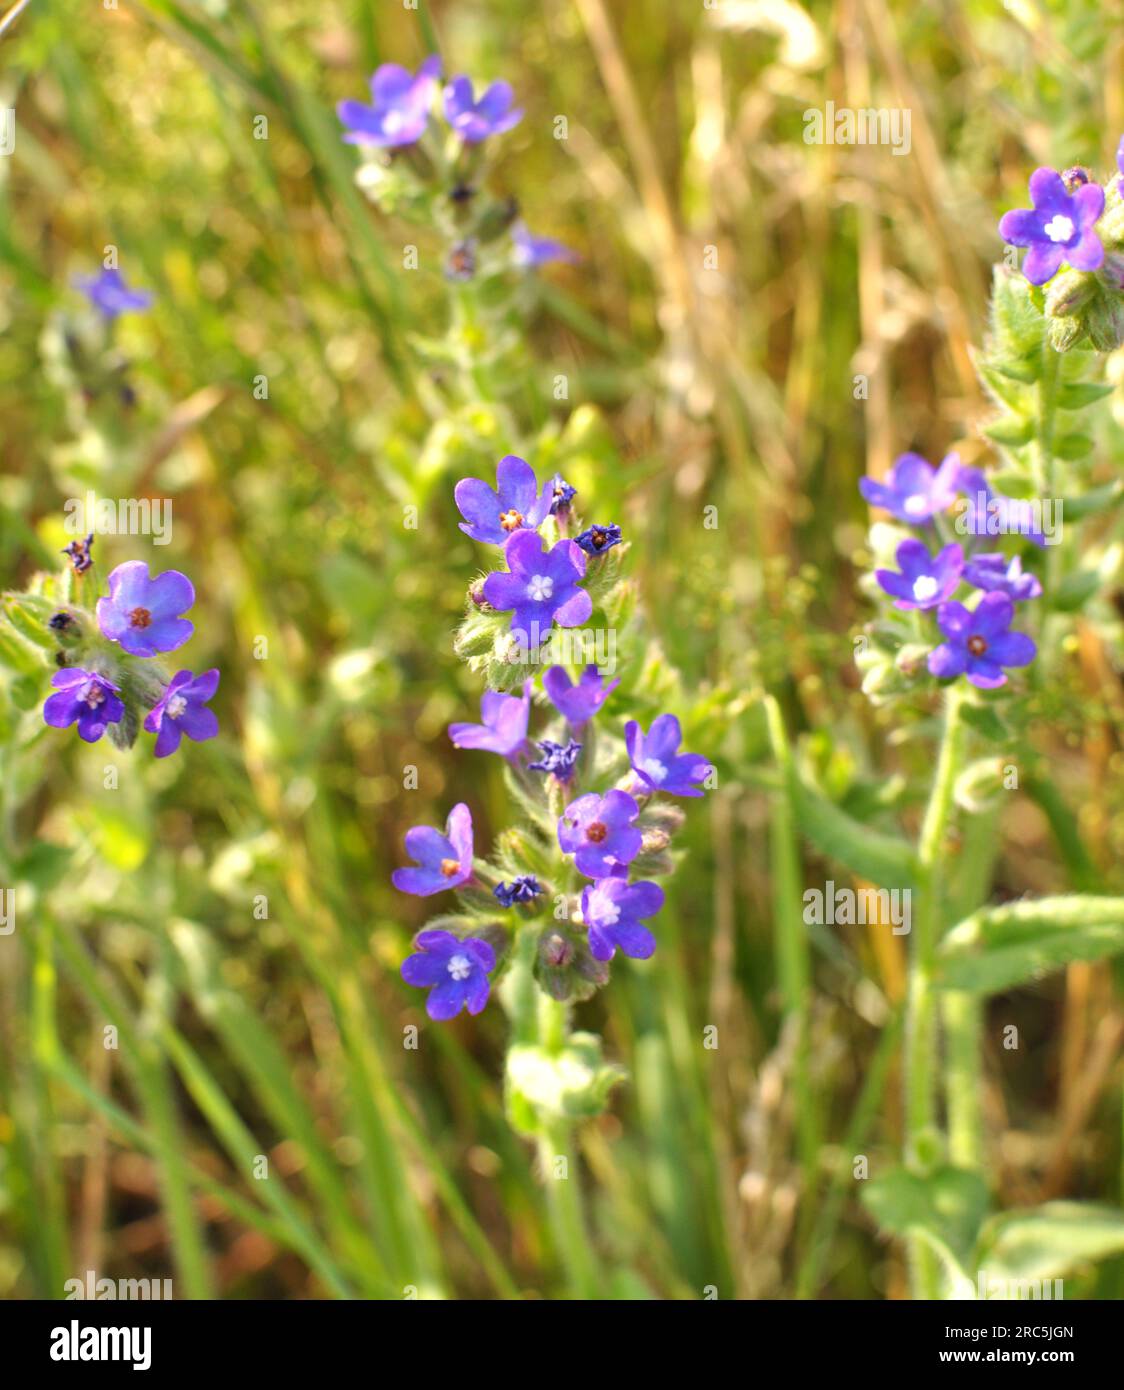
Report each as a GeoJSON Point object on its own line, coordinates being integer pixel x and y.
{"type": "Point", "coordinates": [921, 1012]}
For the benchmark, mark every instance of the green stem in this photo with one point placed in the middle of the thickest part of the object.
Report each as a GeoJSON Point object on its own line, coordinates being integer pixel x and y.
{"type": "Point", "coordinates": [794, 964]}
{"type": "Point", "coordinates": [1047, 409]}
{"type": "Point", "coordinates": [541, 1021]}
{"type": "Point", "coordinates": [921, 1013]}
{"type": "Point", "coordinates": [563, 1187]}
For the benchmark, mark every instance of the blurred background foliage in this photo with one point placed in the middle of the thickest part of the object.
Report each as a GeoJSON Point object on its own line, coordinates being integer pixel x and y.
{"type": "Point", "coordinates": [734, 283]}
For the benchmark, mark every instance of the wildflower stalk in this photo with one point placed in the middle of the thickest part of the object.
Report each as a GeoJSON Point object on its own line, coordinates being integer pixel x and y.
{"type": "Point", "coordinates": [921, 1005]}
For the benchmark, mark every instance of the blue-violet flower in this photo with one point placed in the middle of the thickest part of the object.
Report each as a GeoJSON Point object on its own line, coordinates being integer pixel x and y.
{"type": "Point", "coordinates": [540, 586]}
{"type": "Point", "coordinates": [84, 696]}
{"type": "Point", "coordinates": [925, 580]}
{"type": "Point", "coordinates": [1059, 227]}
{"type": "Point", "coordinates": [474, 120]}
{"type": "Point", "coordinates": [613, 910]}
{"type": "Point", "coordinates": [913, 491]}
{"type": "Point", "coordinates": [599, 832]}
{"type": "Point", "coordinates": [142, 614]}
{"type": "Point", "coordinates": [182, 709]}
{"type": "Point", "coordinates": [400, 106]}
{"type": "Point", "coordinates": [455, 972]}
{"type": "Point", "coordinates": [504, 727]}
{"type": "Point", "coordinates": [443, 861]}
{"type": "Point", "coordinates": [979, 644]}
{"type": "Point", "coordinates": [577, 703]}
{"type": "Point", "coordinates": [656, 759]}
{"type": "Point", "coordinates": [494, 515]}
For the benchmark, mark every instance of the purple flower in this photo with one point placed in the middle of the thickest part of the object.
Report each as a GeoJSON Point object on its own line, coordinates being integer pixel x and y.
{"type": "Point", "coordinates": [1120, 155]}
{"type": "Point", "coordinates": [504, 729]}
{"type": "Point", "coordinates": [599, 833]}
{"type": "Point", "coordinates": [558, 758]}
{"type": "Point", "coordinates": [913, 491]}
{"type": "Point", "coordinates": [599, 538]}
{"type": "Point", "coordinates": [84, 696]}
{"type": "Point", "coordinates": [444, 861]}
{"type": "Point", "coordinates": [562, 495]}
{"type": "Point", "coordinates": [1058, 228]}
{"type": "Point", "coordinates": [613, 909]}
{"type": "Point", "coordinates": [577, 703]}
{"type": "Point", "coordinates": [541, 586]}
{"type": "Point", "coordinates": [182, 709]}
{"type": "Point", "coordinates": [656, 759]}
{"type": "Point", "coordinates": [399, 110]}
{"type": "Point", "coordinates": [142, 614]}
{"type": "Point", "coordinates": [992, 572]}
{"type": "Point", "coordinates": [474, 120]}
{"type": "Point", "coordinates": [519, 890]}
{"type": "Point", "coordinates": [925, 579]}
{"type": "Point", "coordinates": [989, 513]}
{"type": "Point", "coordinates": [493, 516]}
{"type": "Point", "coordinates": [109, 294]}
{"type": "Point", "coordinates": [979, 643]}
{"type": "Point", "coordinates": [533, 251]}
{"type": "Point", "coordinates": [79, 555]}
{"type": "Point", "coordinates": [454, 971]}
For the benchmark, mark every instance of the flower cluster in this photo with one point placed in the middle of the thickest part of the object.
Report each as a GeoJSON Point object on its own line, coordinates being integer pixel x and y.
{"type": "Point", "coordinates": [610, 837]}
{"type": "Point", "coordinates": [1075, 222]}
{"type": "Point", "coordinates": [979, 642]}
{"type": "Point", "coordinates": [409, 168]}
{"type": "Point", "coordinates": [108, 676]}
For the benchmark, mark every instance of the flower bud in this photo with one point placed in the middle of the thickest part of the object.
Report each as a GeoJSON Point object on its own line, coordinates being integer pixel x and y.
{"type": "Point", "coordinates": [1068, 293]}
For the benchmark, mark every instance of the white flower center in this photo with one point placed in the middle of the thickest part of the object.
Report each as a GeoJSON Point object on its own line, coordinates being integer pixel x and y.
{"type": "Point", "coordinates": [609, 914]}
{"type": "Point", "coordinates": [93, 695]}
{"type": "Point", "coordinates": [917, 505]}
{"type": "Point", "coordinates": [460, 967]}
{"type": "Point", "coordinates": [541, 587]}
{"type": "Point", "coordinates": [1059, 228]}
{"type": "Point", "coordinates": [393, 122]}
{"type": "Point", "coordinates": [924, 588]}
{"type": "Point", "coordinates": [175, 706]}
{"type": "Point", "coordinates": [654, 768]}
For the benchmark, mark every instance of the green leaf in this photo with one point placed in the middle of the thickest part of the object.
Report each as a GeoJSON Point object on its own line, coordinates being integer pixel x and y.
{"type": "Point", "coordinates": [946, 1205]}
{"type": "Point", "coordinates": [1097, 499]}
{"type": "Point", "coordinates": [29, 615]}
{"type": "Point", "coordinates": [884, 859]}
{"type": "Point", "coordinates": [1075, 395]}
{"type": "Point", "coordinates": [568, 1084]}
{"type": "Point", "coordinates": [1011, 430]}
{"type": "Point", "coordinates": [1072, 446]}
{"type": "Point", "coordinates": [1047, 1241]}
{"type": "Point", "coordinates": [985, 721]}
{"type": "Point", "coordinates": [1075, 590]}
{"type": "Point", "coordinates": [999, 948]}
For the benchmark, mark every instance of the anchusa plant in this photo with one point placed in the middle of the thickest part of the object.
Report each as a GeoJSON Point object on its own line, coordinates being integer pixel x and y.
{"type": "Point", "coordinates": [573, 884]}
{"type": "Point", "coordinates": [981, 572]}
{"type": "Point", "coordinates": [426, 149]}
{"type": "Point", "coordinates": [110, 652]}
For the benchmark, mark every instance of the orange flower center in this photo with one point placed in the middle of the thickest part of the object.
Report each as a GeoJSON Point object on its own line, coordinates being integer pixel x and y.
{"type": "Point", "coordinates": [140, 617]}
{"type": "Point", "coordinates": [449, 867]}
{"type": "Point", "coordinates": [976, 645]}
{"type": "Point", "coordinates": [511, 520]}
{"type": "Point", "coordinates": [596, 831]}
